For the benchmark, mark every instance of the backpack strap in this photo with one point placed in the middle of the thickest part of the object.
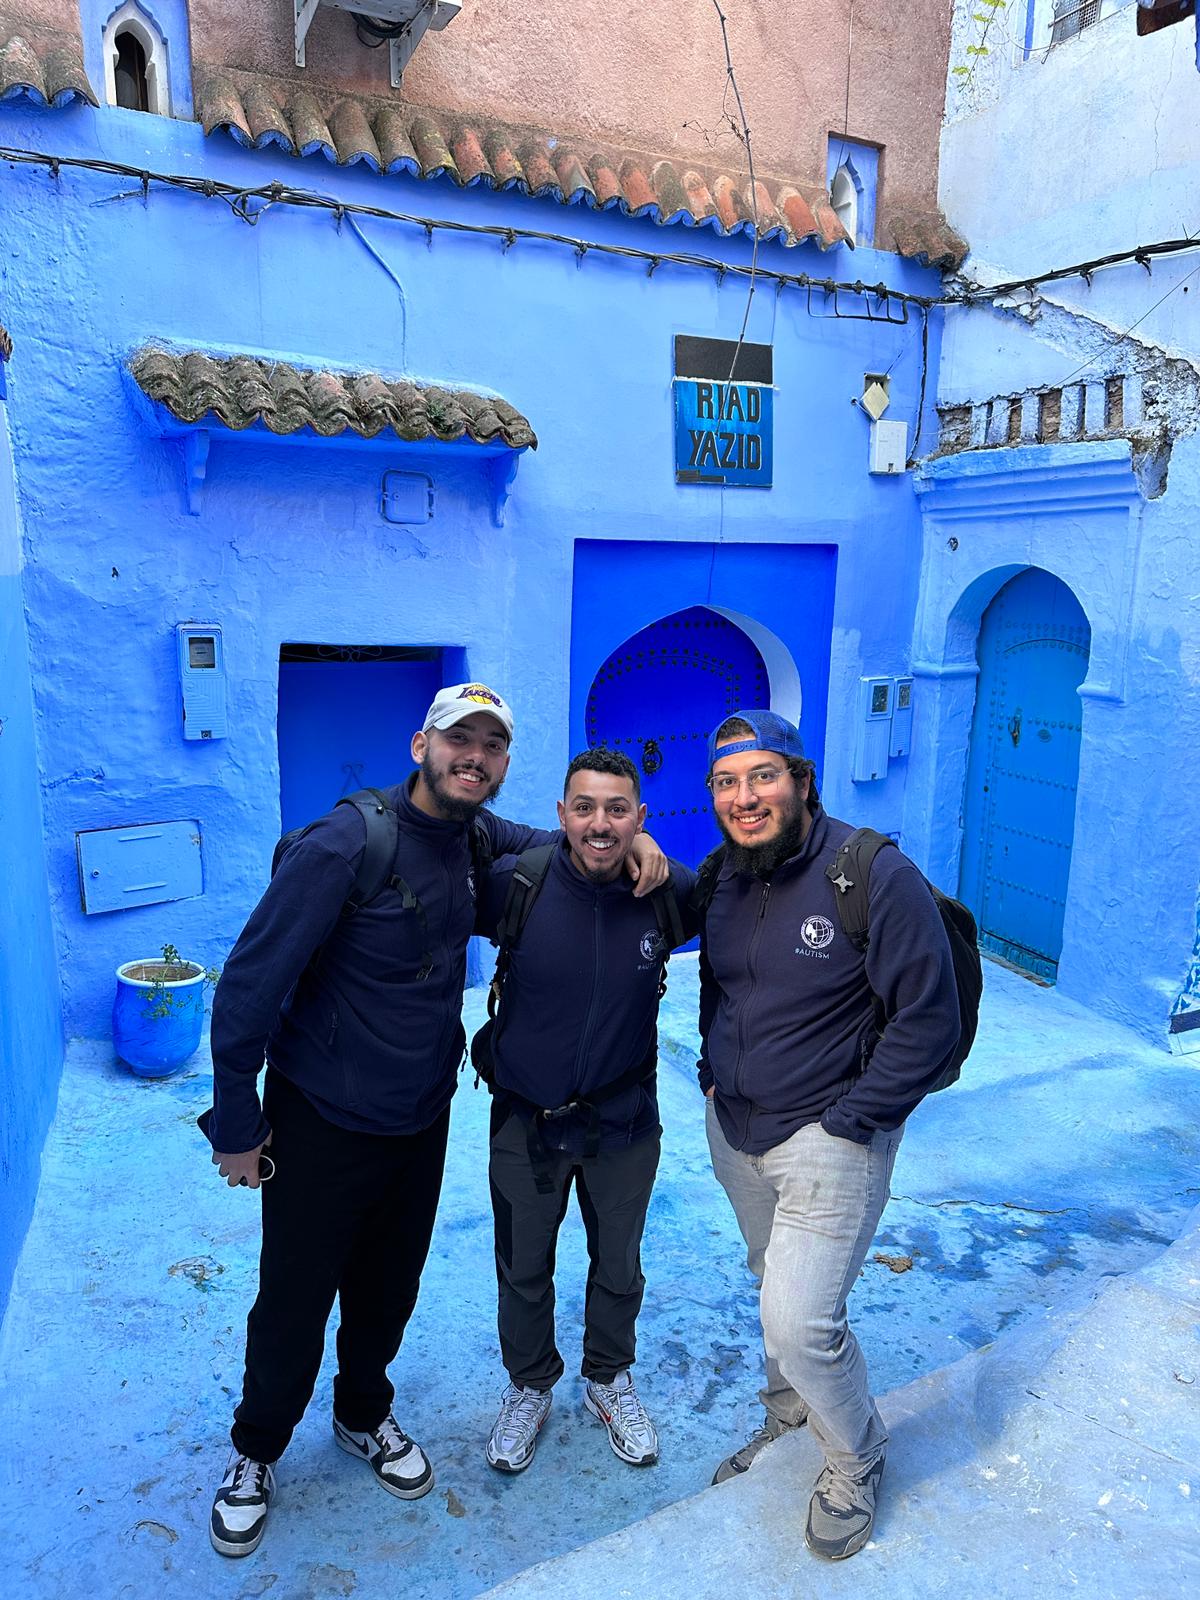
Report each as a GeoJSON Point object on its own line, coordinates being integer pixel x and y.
{"type": "Point", "coordinates": [707, 874]}
{"type": "Point", "coordinates": [670, 928]}
{"type": "Point", "coordinates": [375, 869]}
{"type": "Point", "coordinates": [666, 914]}
{"type": "Point", "coordinates": [528, 875]}
{"type": "Point", "coordinates": [383, 836]}
{"type": "Point", "coordinates": [849, 872]}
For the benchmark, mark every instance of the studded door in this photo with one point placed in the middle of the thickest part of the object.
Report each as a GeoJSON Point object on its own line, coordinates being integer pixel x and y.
{"type": "Point", "coordinates": [657, 698]}
{"type": "Point", "coordinates": [1023, 771]}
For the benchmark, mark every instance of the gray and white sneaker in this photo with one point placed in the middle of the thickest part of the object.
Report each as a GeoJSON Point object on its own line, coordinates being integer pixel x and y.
{"type": "Point", "coordinates": [841, 1513]}
{"type": "Point", "coordinates": [742, 1460]}
{"type": "Point", "coordinates": [400, 1465]}
{"type": "Point", "coordinates": [630, 1431]}
{"type": "Point", "coordinates": [239, 1513]}
{"type": "Point", "coordinates": [514, 1438]}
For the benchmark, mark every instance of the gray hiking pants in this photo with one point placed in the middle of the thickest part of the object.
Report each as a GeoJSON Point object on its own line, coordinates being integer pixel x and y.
{"type": "Point", "coordinates": [808, 1210]}
{"type": "Point", "coordinates": [613, 1190]}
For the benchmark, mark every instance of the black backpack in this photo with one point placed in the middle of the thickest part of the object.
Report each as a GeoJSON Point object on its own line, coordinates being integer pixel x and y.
{"type": "Point", "coordinates": [529, 874]}
{"type": "Point", "coordinates": [849, 872]}
{"type": "Point", "coordinates": [375, 869]}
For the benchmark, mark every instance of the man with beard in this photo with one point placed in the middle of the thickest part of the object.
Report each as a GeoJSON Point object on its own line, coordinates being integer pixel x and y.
{"type": "Point", "coordinates": [806, 1102]}
{"type": "Point", "coordinates": [356, 1008]}
{"type": "Point", "coordinates": [570, 1059]}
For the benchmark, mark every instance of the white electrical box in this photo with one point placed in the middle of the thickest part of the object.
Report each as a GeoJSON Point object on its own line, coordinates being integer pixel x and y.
{"type": "Point", "coordinates": [889, 447]}
{"type": "Point", "coordinates": [873, 734]}
{"type": "Point", "coordinates": [201, 651]}
{"type": "Point", "coordinates": [902, 718]}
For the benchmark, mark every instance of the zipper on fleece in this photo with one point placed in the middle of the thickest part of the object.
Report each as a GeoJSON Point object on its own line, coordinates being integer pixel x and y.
{"type": "Point", "coordinates": [585, 1038]}
{"type": "Point", "coordinates": [751, 952]}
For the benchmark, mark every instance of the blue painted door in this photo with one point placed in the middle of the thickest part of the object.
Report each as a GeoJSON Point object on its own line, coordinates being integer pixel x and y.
{"type": "Point", "coordinates": [1023, 769]}
{"type": "Point", "coordinates": [346, 724]}
{"type": "Point", "coordinates": [657, 698]}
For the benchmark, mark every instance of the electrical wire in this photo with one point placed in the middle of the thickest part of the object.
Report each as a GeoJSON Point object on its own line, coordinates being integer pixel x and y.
{"type": "Point", "coordinates": [1091, 361]}
{"type": "Point", "coordinates": [743, 133]}
{"type": "Point", "coordinates": [249, 205]}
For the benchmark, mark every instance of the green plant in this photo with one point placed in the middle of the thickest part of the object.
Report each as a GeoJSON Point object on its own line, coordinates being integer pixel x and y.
{"type": "Point", "coordinates": [978, 46]}
{"type": "Point", "coordinates": [161, 1001]}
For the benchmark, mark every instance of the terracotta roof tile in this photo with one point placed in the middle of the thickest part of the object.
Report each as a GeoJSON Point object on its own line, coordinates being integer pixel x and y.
{"type": "Point", "coordinates": [240, 391]}
{"type": "Point", "coordinates": [388, 136]}
{"type": "Point", "coordinates": [929, 239]}
{"type": "Point", "coordinates": [391, 137]}
{"type": "Point", "coordinates": [46, 74]}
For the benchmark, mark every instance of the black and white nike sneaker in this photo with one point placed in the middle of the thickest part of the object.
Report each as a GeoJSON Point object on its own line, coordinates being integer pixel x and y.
{"type": "Point", "coordinates": [400, 1465]}
{"type": "Point", "coordinates": [239, 1513]}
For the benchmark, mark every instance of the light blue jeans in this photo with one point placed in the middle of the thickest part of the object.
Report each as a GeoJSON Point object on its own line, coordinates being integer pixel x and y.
{"type": "Point", "coordinates": [808, 1210]}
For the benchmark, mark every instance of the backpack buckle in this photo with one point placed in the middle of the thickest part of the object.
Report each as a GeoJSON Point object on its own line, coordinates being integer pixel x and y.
{"type": "Point", "coordinates": [555, 1113]}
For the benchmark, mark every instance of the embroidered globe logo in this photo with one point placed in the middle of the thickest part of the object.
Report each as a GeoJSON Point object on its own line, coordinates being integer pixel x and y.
{"type": "Point", "coordinates": [816, 932]}
{"type": "Point", "coordinates": [651, 945]}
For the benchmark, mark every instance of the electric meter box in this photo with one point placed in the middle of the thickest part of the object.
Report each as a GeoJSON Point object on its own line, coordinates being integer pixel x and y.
{"type": "Point", "coordinates": [873, 734]}
{"type": "Point", "coordinates": [902, 718]}
{"type": "Point", "coordinates": [202, 680]}
{"type": "Point", "coordinates": [889, 448]}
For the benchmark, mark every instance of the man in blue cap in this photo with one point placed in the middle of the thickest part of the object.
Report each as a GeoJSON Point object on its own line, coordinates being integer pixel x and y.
{"type": "Point", "coordinates": [806, 1100]}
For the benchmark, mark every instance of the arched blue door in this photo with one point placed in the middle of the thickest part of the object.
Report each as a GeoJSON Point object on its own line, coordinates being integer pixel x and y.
{"type": "Point", "coordinates": [1023, 770]}
{"type": "Point", "coordinates": [657, 698]}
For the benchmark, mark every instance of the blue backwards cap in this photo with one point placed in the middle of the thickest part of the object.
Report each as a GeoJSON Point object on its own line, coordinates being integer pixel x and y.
{"type": "Point", "coordinates": [771, 732]}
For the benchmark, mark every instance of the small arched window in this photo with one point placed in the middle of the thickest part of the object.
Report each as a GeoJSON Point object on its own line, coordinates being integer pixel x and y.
{"type": "Point", "coordinates": [843, 196]}
{"type": "Point", "coordinates": [135, 62]}
{"type": "Point", "coordinates": [129, 72]}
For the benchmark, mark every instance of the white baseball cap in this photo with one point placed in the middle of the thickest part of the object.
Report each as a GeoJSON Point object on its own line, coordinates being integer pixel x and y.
{"type": "Point", "coordinates": [464, 700]}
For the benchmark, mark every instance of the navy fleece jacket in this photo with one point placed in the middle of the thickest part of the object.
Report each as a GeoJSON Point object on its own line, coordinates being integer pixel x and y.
{"type": "Point", "coordinates": [580, 1004]}
{"type": "Point", "coordinates": [334, 1003]}
{"type": "Point", "coordinates": [786, 1012]}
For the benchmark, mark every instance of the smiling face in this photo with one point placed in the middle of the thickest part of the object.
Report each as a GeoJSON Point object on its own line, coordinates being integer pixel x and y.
{"type": "Point", "coordinates": [757, 801]}
{"type": "Point", "coordinates": [461, 768]}
{"type": "Point", "coordinates": [600, 815]}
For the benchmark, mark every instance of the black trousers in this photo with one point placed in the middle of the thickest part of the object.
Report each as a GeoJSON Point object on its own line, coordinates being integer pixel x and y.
{"type": "Point", "coordinates": [346, 1214]}
{"type": "Point", "coordinates": [614, 1192]}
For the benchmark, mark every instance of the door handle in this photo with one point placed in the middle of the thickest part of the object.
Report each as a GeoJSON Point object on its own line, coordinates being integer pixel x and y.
{"type": "Point", "coordinates": [1014, 727]}
{"type": "Point", "coordinates": [652, 757]}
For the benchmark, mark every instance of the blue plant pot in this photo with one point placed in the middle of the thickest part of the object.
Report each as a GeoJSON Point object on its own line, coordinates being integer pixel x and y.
{"type": "Point", "coordinates": [157, 1022]}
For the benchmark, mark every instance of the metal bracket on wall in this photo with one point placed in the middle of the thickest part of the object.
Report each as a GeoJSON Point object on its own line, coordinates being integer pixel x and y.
{"type": "Point", "coordinates": [503, 471]}
{"type": "Point", "coordinates": [195, 467]}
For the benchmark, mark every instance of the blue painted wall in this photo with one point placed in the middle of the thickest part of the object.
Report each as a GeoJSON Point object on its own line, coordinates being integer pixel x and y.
{"type": "Point", "coordinates": [30, 1022]}
{"type": "Point", "coordinates": [289, 543]}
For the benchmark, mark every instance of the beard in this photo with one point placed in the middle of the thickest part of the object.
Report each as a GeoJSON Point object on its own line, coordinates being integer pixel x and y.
{"type": "Point", "coordinates": [762, 859]}
{"type": "Point", "coordinates": [450, 807]}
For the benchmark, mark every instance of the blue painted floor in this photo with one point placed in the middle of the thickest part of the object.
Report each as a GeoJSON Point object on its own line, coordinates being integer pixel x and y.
{"type": "Point", "coordinates": [1069, 1154]}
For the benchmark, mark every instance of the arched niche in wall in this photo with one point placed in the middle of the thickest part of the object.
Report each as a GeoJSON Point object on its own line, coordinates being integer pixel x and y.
{"type": "Point", "coordinates": [843, 196]}
{"type": "Point", "coordinates": [136, 68]}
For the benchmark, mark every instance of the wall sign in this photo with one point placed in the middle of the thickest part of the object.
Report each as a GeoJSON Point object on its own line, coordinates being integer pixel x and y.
{"type": "Point", "coordinates": [723, 427]}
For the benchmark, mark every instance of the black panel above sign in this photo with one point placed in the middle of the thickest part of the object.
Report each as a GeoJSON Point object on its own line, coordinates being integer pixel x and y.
{"type": "Point", "coordinates": [712, 358]}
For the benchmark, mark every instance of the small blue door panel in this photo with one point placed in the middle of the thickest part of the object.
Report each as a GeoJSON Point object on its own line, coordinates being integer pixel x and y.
{"type": "Point", "coordinates": [1023, 770]}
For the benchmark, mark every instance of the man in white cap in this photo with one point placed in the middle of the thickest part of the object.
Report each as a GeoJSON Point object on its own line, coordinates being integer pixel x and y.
{"type": "Point", "coordinates": [348, 980]}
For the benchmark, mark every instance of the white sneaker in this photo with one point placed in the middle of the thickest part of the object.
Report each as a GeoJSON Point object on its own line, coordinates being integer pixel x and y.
{"type": "Point", "coordinates": [239, 1513]}
{"type": "Point", "coordinates": [401, 1466]}
{"type": "Point", "coordinates": [514, 1438]}
{"type": "Point", "coordinates": [630, 1431]}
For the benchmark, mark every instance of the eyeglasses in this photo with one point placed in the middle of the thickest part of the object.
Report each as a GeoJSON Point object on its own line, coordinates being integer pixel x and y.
{"type": "Point", "coordinates": [762, 781]}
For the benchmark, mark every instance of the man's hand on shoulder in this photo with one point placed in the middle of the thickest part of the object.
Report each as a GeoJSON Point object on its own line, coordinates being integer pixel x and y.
{"type": "Point", "coordinates": [240, 1169]}
{"type": "Point", "coordinates": [646, 865]}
